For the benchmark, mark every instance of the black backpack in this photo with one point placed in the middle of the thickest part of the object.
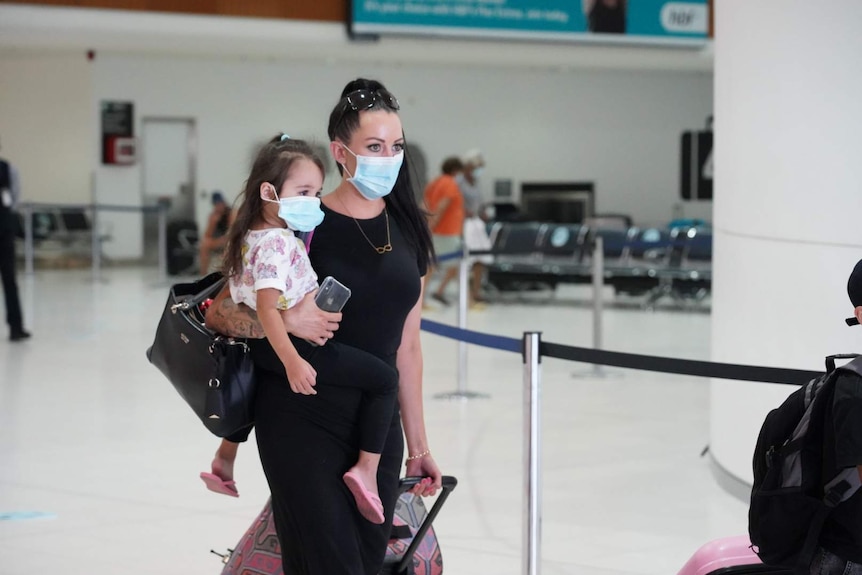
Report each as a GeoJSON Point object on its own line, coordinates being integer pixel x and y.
{"type": "Point", "coordinates": [790, 498]}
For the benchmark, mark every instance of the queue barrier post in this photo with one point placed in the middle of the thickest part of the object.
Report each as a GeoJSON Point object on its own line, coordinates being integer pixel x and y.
{"type": "Point", "coordinates": [163, 241]}
{"type": "Point", "coordinates": [598, 262]}
{"type": "Point", "coordinates": [95, 245]}
{"type": "Point", "coordinates": [29, 255]}
{"type": "Point", "coordinates": [532, 521]}
{"type": "Point", "coordinates": [462, 392]}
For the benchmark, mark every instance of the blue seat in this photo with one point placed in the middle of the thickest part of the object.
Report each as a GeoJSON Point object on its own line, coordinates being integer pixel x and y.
{"type": "Point", "coordinates": [562, 240]}
{"type": "Point", "coordinates": [648, 244]}
{"type": "Point", "coordinates": [700, 247]}
{"type": "Point", "coordinates": [614, 242]}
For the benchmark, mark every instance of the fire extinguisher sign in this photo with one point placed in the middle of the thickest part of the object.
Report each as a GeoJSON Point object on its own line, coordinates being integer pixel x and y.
{"type": "Point", "coordinates": [118, 133]}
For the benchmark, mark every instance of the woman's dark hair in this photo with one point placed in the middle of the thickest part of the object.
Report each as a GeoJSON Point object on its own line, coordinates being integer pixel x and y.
{"type": "Point", "coordinates": [272, 164]}
{"type": "Point", "coordinates": [401, 203]}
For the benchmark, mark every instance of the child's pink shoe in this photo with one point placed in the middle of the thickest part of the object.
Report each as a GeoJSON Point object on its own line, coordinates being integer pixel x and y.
{"type": "Point", "coordinates": [219, 485]}
{"type": "Point", "coordinates": [369, 504]}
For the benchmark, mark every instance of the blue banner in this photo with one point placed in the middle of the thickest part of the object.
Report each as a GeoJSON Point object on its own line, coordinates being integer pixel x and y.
{"type": "Point", "coordinates": [643, 21]}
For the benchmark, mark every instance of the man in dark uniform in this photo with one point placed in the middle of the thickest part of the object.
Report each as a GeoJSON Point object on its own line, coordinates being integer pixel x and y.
{"type": "Point", "coordinates": [9, 193]}
{"type": "Point", "coordinates": [841, 539]}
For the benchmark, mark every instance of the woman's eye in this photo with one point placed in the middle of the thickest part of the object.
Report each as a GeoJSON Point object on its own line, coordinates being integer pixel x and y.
{"type": "Point", "coordinates": [398, 147]}
{"type": "Point", "coordinates": [303, 192]}
{"type": "Point", "coordinates": [374, 147]}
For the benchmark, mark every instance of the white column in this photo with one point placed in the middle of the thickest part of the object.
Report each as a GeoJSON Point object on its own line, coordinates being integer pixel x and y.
{"type": "Point", "coordinates": [788, 200]}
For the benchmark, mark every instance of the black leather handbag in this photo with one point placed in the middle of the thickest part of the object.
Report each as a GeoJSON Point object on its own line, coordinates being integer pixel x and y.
{"type": "Point", "coordinates": [213, 373]}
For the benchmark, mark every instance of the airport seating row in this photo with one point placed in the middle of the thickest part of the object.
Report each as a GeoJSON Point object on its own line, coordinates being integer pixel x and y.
{"type": "Point", "coordinates": [60, 232]}
{"type": "Point", "coordinates": [651, 262]}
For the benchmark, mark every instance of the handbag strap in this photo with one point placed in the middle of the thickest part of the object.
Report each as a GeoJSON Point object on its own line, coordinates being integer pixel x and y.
{"type": "Point", "coordinates": [202, 295]}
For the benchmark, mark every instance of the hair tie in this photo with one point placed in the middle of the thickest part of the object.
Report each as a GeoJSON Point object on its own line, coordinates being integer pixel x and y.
{"type": "Point", "coordinates": [284, 137]}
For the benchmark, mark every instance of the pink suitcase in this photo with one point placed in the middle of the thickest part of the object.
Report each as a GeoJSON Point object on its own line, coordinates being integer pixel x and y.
{"type": "Point", "coordinates": [413, 548]}
{"type": "Point", "coordinates": [728, 556]}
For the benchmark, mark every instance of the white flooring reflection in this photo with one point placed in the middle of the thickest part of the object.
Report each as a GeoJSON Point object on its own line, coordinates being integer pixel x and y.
{"type": "Point", "coordinates": [91, 434]}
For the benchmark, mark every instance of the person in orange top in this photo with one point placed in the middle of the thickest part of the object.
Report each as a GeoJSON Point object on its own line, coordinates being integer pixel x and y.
{"type": "Point", "coordinates": [446, 207]}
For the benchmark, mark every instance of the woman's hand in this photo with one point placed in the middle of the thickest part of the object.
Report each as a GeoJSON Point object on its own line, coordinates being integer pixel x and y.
{"type": "Point", "coordinates": [301, 376]}
{"type": "Point", "coordinates": [307, 321]}
{"type": "Point", "coordinates": [427, 468]}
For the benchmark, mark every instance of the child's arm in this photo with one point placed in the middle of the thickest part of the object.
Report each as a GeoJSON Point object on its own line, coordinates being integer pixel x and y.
{"type": "Point", "coordinates": [300, 375]}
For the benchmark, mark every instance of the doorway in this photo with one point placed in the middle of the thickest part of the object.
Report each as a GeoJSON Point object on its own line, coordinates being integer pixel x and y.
{"type": "Point", "coordinates": [169, 160]}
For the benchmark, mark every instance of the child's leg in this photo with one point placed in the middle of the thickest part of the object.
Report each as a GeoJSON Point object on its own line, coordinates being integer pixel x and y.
{"type": "Point", "coordinates": [345, 366]}
{"type": "Point", "coordinates": [221, 478]}
{"type": "Point", "coordinates": [222, 464]}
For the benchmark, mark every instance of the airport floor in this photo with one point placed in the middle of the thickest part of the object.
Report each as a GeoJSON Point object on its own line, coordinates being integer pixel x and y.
{"type": "Point", "coordinates": [99, 457]}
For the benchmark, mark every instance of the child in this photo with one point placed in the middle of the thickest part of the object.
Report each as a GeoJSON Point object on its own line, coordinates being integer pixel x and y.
{"type": "Point", "coordinates": [269, 271]}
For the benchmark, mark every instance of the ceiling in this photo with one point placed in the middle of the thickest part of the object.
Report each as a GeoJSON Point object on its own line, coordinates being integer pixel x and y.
{"type": "Point", "coordinates": [25, 28]}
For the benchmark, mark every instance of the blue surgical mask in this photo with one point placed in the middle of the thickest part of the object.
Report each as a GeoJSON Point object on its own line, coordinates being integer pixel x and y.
{"type": "Point", "coordinates": [477, 172]}
{"type": "Point", "coordinates": [375, 175]}
{"type": "Point", "coordinates": [300, 213]}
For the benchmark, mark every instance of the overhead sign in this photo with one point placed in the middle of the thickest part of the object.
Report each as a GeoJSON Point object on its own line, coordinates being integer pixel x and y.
{"type": "Point", "coordinates": [632, 21]}
{"type": "Point", "coordinates": [696, 166]}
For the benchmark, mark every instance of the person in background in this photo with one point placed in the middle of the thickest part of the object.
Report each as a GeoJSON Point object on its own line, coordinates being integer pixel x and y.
{"type": "Point", "coordinates": [10, 192]}
{"type": "Point", "coordinates": [475, 234]}
{"type": "Point", "coordinates": [840, 551]}
{"type": "Point", "coordinates": [215, 235]}
{"type": "Point", "coordinates": [445, 205]}
{"type": "Point", "coordinates": [606, 16]}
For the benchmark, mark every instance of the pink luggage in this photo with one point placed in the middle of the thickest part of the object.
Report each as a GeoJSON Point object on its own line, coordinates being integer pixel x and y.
{"type": "Point", "coordinates": [728, 556]}
{"type": "Point", "coordinates": [412, 549]}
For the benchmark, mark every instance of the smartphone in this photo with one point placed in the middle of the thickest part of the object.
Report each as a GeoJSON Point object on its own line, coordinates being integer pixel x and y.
{"type": "Point", "coordinates": [332, 295]}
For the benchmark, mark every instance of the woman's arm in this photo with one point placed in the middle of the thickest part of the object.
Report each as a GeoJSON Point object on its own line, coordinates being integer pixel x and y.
{"type": "Point", "coordinates": [437, 214]}
{"type": "Point", "coordinates": [236, 320]}
{"type": "Point", "coordinates": [409, 363]}
{"type": "Point", "coordinates": [304, 320]}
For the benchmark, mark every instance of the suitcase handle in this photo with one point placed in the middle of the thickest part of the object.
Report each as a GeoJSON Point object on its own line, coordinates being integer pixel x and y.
{"type": "Point", "coordinates": [449, 483]}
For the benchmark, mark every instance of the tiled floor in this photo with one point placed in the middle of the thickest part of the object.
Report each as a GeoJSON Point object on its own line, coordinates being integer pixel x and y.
{"type": "Point", "coordinates": [93, 435]}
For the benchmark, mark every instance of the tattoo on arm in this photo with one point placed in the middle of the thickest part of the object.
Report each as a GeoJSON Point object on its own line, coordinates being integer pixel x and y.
{"type": "Point", "coordinates": [239, 321]}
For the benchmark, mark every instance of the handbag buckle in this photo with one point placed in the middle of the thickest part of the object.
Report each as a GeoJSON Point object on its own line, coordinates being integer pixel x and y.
{"type": "Point", "coordinates": [176, 306]}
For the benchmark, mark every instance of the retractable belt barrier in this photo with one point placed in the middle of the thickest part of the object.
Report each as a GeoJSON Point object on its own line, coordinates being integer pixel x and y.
{"type": "Point", "coordinates": [533, 349]}
{"type": "Point", "coordinates": [619, 359]}
{"type": "Point", "coordinates": [629, 360]}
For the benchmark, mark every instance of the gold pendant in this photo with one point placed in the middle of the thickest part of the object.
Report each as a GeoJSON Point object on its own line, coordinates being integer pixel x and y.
{"type": "Point", "coordinates": [383, 249]}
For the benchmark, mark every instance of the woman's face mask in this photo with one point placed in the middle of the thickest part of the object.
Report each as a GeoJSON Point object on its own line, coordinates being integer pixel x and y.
{"type": "Point", "coordinates": [300, 213]}
{"type": "Point", "coordinates": [375, 176]}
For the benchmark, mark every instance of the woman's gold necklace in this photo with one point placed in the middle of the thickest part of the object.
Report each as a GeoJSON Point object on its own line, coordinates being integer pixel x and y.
{"type": "Point", "coordinates": [387, 247]}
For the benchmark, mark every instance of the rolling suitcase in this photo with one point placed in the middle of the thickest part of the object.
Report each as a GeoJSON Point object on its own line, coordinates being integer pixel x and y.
{"type": "Point", "coordinates": [412, 549]}
{"type": "Point", "coordinates": [729, 556]}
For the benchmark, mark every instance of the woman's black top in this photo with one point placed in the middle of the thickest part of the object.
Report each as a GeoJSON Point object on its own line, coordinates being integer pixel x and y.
{"type": "Point", "coordinates": [385, 287]}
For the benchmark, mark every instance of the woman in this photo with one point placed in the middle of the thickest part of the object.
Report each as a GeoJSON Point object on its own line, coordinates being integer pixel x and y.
{"type": "Point", "coordinates": [374, 240]}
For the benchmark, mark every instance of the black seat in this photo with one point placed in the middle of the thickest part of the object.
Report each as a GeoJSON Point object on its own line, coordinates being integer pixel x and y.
{"type": "Point", "coordinates": [517, 238]}
{"type": "Point", "coordinates": [74, 220]}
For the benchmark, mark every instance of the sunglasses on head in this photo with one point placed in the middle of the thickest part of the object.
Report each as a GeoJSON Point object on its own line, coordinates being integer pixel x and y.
{"type": "Point", "coordinates": [364, 99]}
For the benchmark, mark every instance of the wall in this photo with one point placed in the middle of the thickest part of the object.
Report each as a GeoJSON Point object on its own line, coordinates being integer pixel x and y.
{"type": "Point", "coordinates": [620, 129]}
{"type": "Point", "coordinates": [46, 123]}
{"type": "Point", "coordinates": [788, 204]}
